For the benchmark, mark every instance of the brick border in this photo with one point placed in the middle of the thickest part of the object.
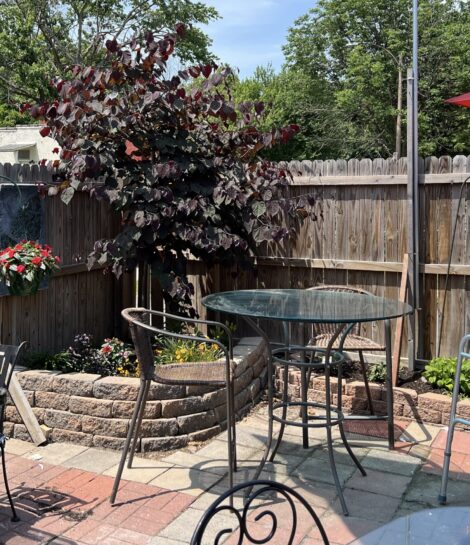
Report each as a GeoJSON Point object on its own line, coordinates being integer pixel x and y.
{"type": "Point", "coordinates": [91, 410]}
{"type": "Point", "coordinates": [430, 408]}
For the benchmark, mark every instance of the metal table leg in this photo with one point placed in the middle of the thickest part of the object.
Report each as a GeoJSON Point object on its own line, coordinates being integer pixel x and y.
{"type": "Point", "coordinates": [388, 360]}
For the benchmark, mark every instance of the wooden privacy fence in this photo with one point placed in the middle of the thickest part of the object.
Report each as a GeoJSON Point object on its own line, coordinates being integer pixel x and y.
{"type": "Point", "coordinates": [360, 238]}
{"type": "Point", "coordinates": [76, 300]}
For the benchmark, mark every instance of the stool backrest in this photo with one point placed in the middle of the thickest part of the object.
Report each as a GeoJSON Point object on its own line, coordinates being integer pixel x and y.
{"type": "Point", "coordinates": [329, 329]}
{"type": "Point", "coordinates": [261, 503]}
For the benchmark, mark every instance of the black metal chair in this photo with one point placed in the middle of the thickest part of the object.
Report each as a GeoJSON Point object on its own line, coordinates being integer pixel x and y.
{"type": "Point", "coordinates": [265, 491]}
{"type": "Point", "coordinates": [217, 374]}
{"type": "Point", "coordinates": [9, 355]}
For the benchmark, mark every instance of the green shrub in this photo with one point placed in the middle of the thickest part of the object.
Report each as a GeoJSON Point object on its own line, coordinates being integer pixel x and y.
{"type": "Point", "coordinates": [440, 373]}
{"type": "Point", "coordinates": [182, 351]}
{"type": "Point", "coordinates": [377, 372]}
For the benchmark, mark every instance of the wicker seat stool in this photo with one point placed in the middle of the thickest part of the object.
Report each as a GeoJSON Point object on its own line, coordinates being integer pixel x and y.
{"type": "Point", "coordinates": [218, 374]}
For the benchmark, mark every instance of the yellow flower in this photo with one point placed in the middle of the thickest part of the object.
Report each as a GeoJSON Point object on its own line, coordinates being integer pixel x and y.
{"type": "Point", "coordinates": [214, 346]}
{"type": "Point", "coordinates": [202, 347]}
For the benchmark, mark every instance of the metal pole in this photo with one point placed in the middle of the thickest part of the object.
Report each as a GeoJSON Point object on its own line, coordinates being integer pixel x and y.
{"type": "Point", "coordinates": [416, 201]}
{"type": "Point", "coordinates": [410, 217]}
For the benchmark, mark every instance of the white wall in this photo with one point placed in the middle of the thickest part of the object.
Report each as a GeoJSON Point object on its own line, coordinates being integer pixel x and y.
{"type": "Point", "coordinates": [23, 134]}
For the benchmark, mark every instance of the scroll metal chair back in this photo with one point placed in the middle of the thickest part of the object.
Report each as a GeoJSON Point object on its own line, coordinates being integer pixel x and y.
{"type": "Point", "coordinates": [355, 342]}
{"type": "Point", "coordinates": [259, 505]}
{"type": "Point", "coordinates": [218, 374]}
{"type": "Point", "coordinates": [9, 355]}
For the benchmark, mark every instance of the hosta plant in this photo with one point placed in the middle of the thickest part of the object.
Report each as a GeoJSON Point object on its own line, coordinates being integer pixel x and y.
{"type": "Point", "coordinates": [25, 265]}
{"type": "Point", "coordinates": [180, 162]}
{"type": "Point", "coordinates": [440, 373]}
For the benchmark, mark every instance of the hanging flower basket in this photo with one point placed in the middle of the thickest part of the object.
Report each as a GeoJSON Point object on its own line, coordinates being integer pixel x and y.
{"type": "Point", "coordinates": [23, 267]}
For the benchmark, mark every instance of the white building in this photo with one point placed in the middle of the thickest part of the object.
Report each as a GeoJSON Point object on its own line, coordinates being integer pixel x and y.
{"type": "Point", "coordinates": [24, 144]}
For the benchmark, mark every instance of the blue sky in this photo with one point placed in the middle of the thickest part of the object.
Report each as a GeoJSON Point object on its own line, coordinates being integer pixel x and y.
{"type": "Point", "coordinates": [252, 32]}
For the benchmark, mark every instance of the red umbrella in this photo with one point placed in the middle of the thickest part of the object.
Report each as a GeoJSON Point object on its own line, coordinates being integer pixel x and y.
{"type": "Point", "coordinates": [461, 100]}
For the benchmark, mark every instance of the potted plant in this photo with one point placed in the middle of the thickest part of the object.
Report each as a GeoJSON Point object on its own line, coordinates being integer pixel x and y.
{"type": "Point", "coordinates": [24, 266]}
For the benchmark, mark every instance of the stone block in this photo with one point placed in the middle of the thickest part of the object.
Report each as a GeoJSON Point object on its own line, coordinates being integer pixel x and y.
{"type": "Point", "coordinates": [263, 377]}
{"type": "Point", "coordinates": [463, 409]}
{"type": "Point", "coordinates": [51, 400]}
{"type": "Point", "coordinates": [152, 444]}
{"type": "Point", "coordinates": [254, 389]}
{"type": "Point", "coordinates": [115, 443]}
{"type": "Point", "coordinates": [91, 406]}
{"type": "Point", "coordinates": [216, 398]}
{"type": "Point", "coordinates": [194, 390]}
{"type": "Point", "coordinates": [243, 380]}
{"type": "Point", "coordinates": [435, 402]}
{"type": "Point", "coordinates": [125, 388]}
{"type": "Point", "coordinates": [114, 427]}
{"type": "Point", "coordinates": [8, 429]}
{"type": "Point", "coordinates": [37, 379]}
{"type": "Point", "coordinates": [12, 415]}
{"type": "Point", "coordinates": [241, 399]}
{"type": "Point", "coordinates": [39, 414]}
{"type": "Point", "coordinates": [159, 428]}
{"type": "Point", "coordinates": [20, 432]}
{"type": "Point", "coordinates": [259, 364]}
{"type": "Point", "coordinates": [179, 407]}
{"type": "Point", "coordinates": [195, 422]}
{"type": "Point", "coordinates": [205, 435]}
{"type": "Point", "coordinates": [358, 389]}
{"type": "Point", "coordinates": [68, 436]}
{"type": "Point", "coordinates": [62, 419]}
{"type": "Point", "coordinates": [164, 391]}
{"type": "Point", "coordinates": [29, 394]}
{"type": "Point", "coordinates": [76, 384]}
{"type": "Point", "coordinates": [422, 414]}
{"type": "Point", "coordinates": [354, 404]}
{"type": "Point", "coordinates": [125, 409]}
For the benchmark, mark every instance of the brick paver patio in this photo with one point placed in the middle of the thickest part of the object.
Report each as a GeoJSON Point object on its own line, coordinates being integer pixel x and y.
{"type": "Point", "coordinates": [61, 490]}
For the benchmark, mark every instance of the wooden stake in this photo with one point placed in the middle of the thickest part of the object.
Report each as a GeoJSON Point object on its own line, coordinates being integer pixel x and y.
{"type": "Point", "coordinates": [400, 321]}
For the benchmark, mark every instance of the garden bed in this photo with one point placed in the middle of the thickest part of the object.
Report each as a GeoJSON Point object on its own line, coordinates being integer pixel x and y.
{"type": "Point", "coordinates": [91, 410]}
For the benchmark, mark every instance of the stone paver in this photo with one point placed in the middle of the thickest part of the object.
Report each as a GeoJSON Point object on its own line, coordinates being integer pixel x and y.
{"type": "Point", "coordinates": [61, 490]}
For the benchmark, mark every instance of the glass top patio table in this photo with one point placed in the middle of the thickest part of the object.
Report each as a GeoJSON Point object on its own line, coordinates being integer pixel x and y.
{"type": "Point", "coordinates": [445, 525]}
{"type": "Point", "coordinates": [309, 306]}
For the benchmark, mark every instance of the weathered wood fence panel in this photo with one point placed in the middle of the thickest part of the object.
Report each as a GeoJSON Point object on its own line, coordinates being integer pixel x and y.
{"type": "Point", "coordinates": [76, 300]}
{"type": "Point", "coordinates": [360, 238]}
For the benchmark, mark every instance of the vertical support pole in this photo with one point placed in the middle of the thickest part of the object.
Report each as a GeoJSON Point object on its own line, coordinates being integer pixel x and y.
{"type": "Point", "coordinates": [410, 219]}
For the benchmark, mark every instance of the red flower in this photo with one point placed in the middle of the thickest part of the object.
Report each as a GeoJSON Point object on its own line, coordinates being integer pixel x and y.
{"type": "Point", "coordinates": [45, 253]}
{"type": "Point", "coordinates": [106, 349]}
{"type": "Point", "coordinates": [36, 260]}
{"type": "Point", "coordinates": [57, 259]}
{"type": "Point", "coordinates": [18, 247]}
{"type": "Point", "coordinates": [20, 268]}
{"type": "Point", "coordinates": [11, 253]}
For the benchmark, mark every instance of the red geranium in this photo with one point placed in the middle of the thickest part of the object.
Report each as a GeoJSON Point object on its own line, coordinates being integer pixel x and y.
{"type": "Point", "coordinates": [20, 268]}
{"type": "Point", "coordinates": [36, 260]}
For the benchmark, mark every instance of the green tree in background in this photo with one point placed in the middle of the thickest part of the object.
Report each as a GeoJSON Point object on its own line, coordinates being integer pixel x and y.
{"type": "Point", "coordinates": [340, 80]}
{"type": "Point", "coordinates": [40, 39]}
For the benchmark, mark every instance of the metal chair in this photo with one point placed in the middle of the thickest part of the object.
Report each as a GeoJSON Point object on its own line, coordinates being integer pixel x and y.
{"type": "Point", "coordinates": [354, 342]}
{"type": "Point", "coordinates": [257, 491]}
{"type": "Point", "coordinates": [464, 353]}
{"type": "Point", "coordinates": [218, 374]}
{"type": "Point", "coordinates": [9, 355]}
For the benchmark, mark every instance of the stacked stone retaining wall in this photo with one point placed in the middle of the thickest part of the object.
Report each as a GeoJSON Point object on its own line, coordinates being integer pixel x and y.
{"type": "Point", "coordinates": [430, 407]}
{"type": "Point", "coordinates": [91, 410]}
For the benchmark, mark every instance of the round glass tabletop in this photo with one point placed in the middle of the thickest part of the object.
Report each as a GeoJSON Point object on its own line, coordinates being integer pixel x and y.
{"type": "Point", "coordinates": [446, 525]}
{"type": "Point", "coordinates": [306, 305]}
